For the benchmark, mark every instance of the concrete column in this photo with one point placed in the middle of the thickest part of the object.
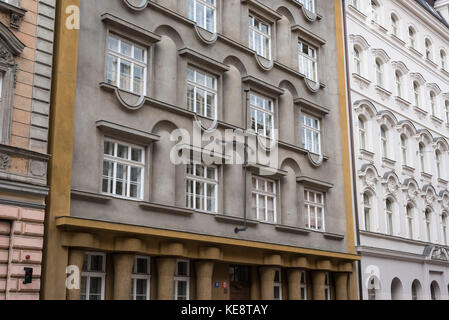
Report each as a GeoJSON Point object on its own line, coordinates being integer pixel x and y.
{"type": "Point", "coordinates": [76, 258]}
{"type": "Point", "coordinates": [267, 282]}
{"type": "Point", "coordinates": [318, 278]}
{"type": "Point", "coordinates": [341, 286]}
{"type": "Point", "coordinates": [123, 268]}
{"type": "Point", "coordinates": [294, 284]}
{"type": "Point", "coordinates": [204, 271]}
{"type": "Point", "coordinates": [166, 272]}
{"type": "Point", "coordinates": [255, 284]}
{"type": "Point", "coordinates": [165, 75]}
{"type": "Point", "coordinates": [284, 41]}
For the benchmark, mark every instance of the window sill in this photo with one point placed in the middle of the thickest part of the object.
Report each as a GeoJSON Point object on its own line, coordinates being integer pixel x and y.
{"type": "Point", "coordinates": [436, 120]}
{"type": "Point", "coordinates": [384, 93]}
{"type": "Point", "coordinates": [402, 102]}
{"type": "Point", "coordinates": [90, 196]}
{"type": "Point", "coordinates": [357, 12]}
{"type": "Point", "coordinates": [15, 12]}
{"type": "Point", "coordinates": [235, 220]}
{"type": "Point", "coordinates": [421, 112]}
{"type": "Point", "coordinates": [389, 163]}
{"type": "Point", "coordinates": [379, 26]}
{"type": "Point", "coordinates": [416, 52]}
{"type": "Point", "coordinates": [366, 155]}
{"type": "Point", "coordinates": [427, 177]}
{"type": "Point", "coordinates": [151, 206]}
{"type": "Point", "coordinates": [443, 182]}
{"type": "Point", "coordinates": [361, 80]}
{"type": "Point", "coordinates": [292, 229]}
{"type": "Point", "coordinates": [433, 64]}
{"type": "Point", "coordinates": [408, 170]}
{"type": "Point", "coordinates": [397, 39]}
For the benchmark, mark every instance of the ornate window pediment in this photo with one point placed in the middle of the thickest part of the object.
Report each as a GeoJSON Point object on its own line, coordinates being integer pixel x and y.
{"type": "Point", "coordinates": [13, 8]}
{"type": "Point", "coordinates": [10, 47]}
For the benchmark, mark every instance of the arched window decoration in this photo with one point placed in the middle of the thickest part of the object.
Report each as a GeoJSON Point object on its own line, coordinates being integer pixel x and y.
{"type": "Point", "coordinates": [398, 78]}
{"type": "Point", "coordinates": [367, 210]}
{"type": "Point", "coordinates": [422, 157]}
{"type": "Point", "coordinates": [394, 25]}
{"type": "Point", "coordinates": [404, 149]}
{"type": "Point", "coordinates": [438, 163]}
{"type": "Point", "coordinates": [389, 216]}
{"type": "Point", "coordinates": [416, 290]}
{"type": "Point", "coordinates": [372, 288]}
{"type": "Point", "coordinates": [362, 133]}
{"type": "Point", "coordinates": [396, 289]}
{"type": "Point", "coordinates": [375, 11]}
{"type": "Point", "coordinates": [443, 58]}
{"type": "Point", "coordinates": [410, 221]}
{"type": "Point", "coordinates": [433, 103]}
{"type": "Point", "coordinates": [435, 293]}
{"type": "Point", "coordinates": [384, 141]}
{"type": "Point", "coordinates": [428, 44]}
{"type": "Point", "coordinates": [412, 37]}
{"type": "Point", "coordinates": [444, 228]}
{"type": "Point", "coordinates": [417, 93]}
{"type": "Point", "coordinates": [379, 73]}
{"type": "Point", "coordinates": [428, 225]}
{"type": "Point", "coordinates": [357, 61]}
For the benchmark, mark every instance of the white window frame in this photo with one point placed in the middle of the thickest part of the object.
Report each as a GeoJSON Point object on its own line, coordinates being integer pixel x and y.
{"type": "Point", "coordinates": [253, 30]}
{"type": "Point", "coordinates": [131, 60]}
{"type": "Point", "coordinates": [94, 274]}
{"type": "Point", "coordinates": [417, 93]}
{"type": "Point", "coordinates": [139, 276]}
{"type": "Point", "coordinates": [278, 284]}
{"type": "Point", "coordinates": [399, 86]}
{"type": "Point", "coordinates": [394, 25]}
{"type": "Point", "coordinates": [412, 37]}
{"type": "Point", "coordinates": [410, 219]}
{"type": "Point", "coordinates": [192, 177]}
{"type": "Point", "coordinates": [384, 141]}
{"type": "Point", "coordinates": [357, 60]}
{"type": "Point", "coordinates": [308, 62]}
{"type": "Point", "coordinates": [315, 145]}
{"type": "Point", "coordinates": [404, 149]}
{"type": "Point", "coordinates": [428, 225]}
{"type": "Point", "coordinates": [267, 109]}
{"type": "Point", "coordinates": [205, 5]}
{"type": "Point", "coordinates": [197, 86]}
{"type": "Point", "coordinates": [444, 224]}
{"type": "Point", "coordinates": [303, 285]}
{"type": "Point", "coordinates": [389, 216]}
{"type": "Point", "coordinates": [375, 12]}
{"type": "Point", "coordinates": [313, 204]}
{"type": "Point", "coordinates": [308, 4]}
{"type": "Point", "coordinates": [367, 211]}
{"type": "Point", "coordinates": [180, 278]}
{"type": "Point", "coordinates": [379, 67]}
{"type": "Point", "coordinates": [264, 194]}
{"type": "Point", "coordinates": [327, 287]}
{"type": "Point", "coordinates": [362, 133]}
{"type": "Point", "coordinates": [129, 164]}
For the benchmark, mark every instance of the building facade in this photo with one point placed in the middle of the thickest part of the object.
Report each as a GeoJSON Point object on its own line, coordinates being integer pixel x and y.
{"type": "Point", "coordinates": [400, 113]}
{"type": "Point", "coordinates": [26, 46]}
{"type": "Point", "coordinates": [133, 218]}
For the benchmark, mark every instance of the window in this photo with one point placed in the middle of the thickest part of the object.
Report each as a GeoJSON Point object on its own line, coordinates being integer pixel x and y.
{"type": "Point", "coordinates": [202, 188]}
{"type": "Point", "coordinates": [123, 169]}
{"type": "Point", "coordinates": [433, 103]}
{"type": "Point", "coordinates": [404, 148]}
{"type": "Point", "coordinates": [389, 216]}
{"type": "Point", "coordinates": [379, 73]}
{"type": "Point", "coordinates": [417, 93]}
{"type": "Point", "coordinates": [410, 221]}
{"type": "Point", "coordinates": [308, 4]}
{"type": "Point", "coordinates": [311, 134]}
{"type": "Point", "coordinates": [262, 115]}
{"type": "Point", "coordinates": [444, 228]}
{"type": "Point", "coordinates": [126, 65]}
{"type": "Point", "coordinates": [93, 276]}
{"type": "Point", "coordinates": [398, 78]}
{"type": "Point", "coordinates": [308, 61]}
{"type": "Point", "coordinates": [140, 287]}
{"type": "Point", "coordinates": [447, 111]}
{"type": "Point", "coordinates": [422, 161]}
{"type": "Point", "coordinates": [395, 25]}
{"type": "Point", "coordinates": [182, 280]}
{"type": "Point", "coordinates": [264, 200]}
{"type": "Point", "coordinates": [201, 93]}
{"type": "Point", "coordinates": [384, 141]}
{"type": "Point", "coordinates": [412, 37]}
{"type": "Point", "coordinates": [362, 133]}
{"type": "Point", "coordinates": [371, 289]}
{"type": "Point", "coordinates": [428, 221]}
{"type": "Point", "coordinates": [314, 210]}
{"type": "Point", "coordinates": [428, 44]}
{"type": "Point", "coordinates": [303, 285]}
{"type": "Point", "coordinates": [277, 285]}
{"type": "Point", "coordinates": [438, 163]}
{"type": "Point", "coordinates": [367, 211]}
{"type": "Point", "coordinates": [357, 61]}
{"type": "Point", "coordinates": [260, 37]}
{"type": "Point", "coordinates": [375, 12]}
{"type": "Point", "coordinates": [414, 291]}
{"type": "Point", "coordinates": [203, 12]}
{"type": "Point", "coordinates": [443, 58]}
{"type": "Point", "coordinates": [327, 287]}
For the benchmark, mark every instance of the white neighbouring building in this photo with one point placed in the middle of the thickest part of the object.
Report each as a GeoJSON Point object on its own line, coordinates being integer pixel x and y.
{"type": "Point", "coordinates": [399, 66]}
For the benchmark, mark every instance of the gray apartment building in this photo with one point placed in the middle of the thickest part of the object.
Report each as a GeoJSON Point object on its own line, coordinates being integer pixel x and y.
{"type": "Point", "coordinates": [155, 103]}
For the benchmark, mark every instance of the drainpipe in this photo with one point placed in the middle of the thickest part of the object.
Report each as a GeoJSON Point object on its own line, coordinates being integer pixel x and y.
{"type": "Point", "coordinates": [351, 133]}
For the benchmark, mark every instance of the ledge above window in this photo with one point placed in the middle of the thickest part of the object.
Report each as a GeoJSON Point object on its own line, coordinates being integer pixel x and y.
{"type": "Point", "coordinates": [309, 36]}
{"type": "Point", "coordinates": [261, 170]}
{"type": "Point", "coordinates": [15, 11]}
{"type": "Point", "coordinates": [196, 154]}
{"type": "Point", "coordinates": [130, 30]}
{"type": "Point", "coordinates": [315, 183]}
{"type": "Point", "coordinates": [312, 107]}
{"type": "Point", "coordinates": [203, 60]}
{"type": "Point", "coordinates": [263, 9]}
{"type": "Point", "coordinates": [121, 132]}
{"type": "Point", "coordinates": [265, 87]}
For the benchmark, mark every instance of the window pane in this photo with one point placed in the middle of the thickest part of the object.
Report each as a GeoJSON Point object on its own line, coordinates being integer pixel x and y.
{"type": "Point", "coordinates": [138, 79]}
{"type": "Point", "coordinates": [95, 288]}
{"type": "Point", "coordinates": [182, 268]}
{"type": "Point", "coordinates": [125, 75]}
{"type": "Point", "coordinates": [126, 48]}
{"type": "Point", "coordinates": [96, 263]}
{"type": "Point", "coordinates": [111, 76]}
{"type": "Point", "coordinates": [136, 155]}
